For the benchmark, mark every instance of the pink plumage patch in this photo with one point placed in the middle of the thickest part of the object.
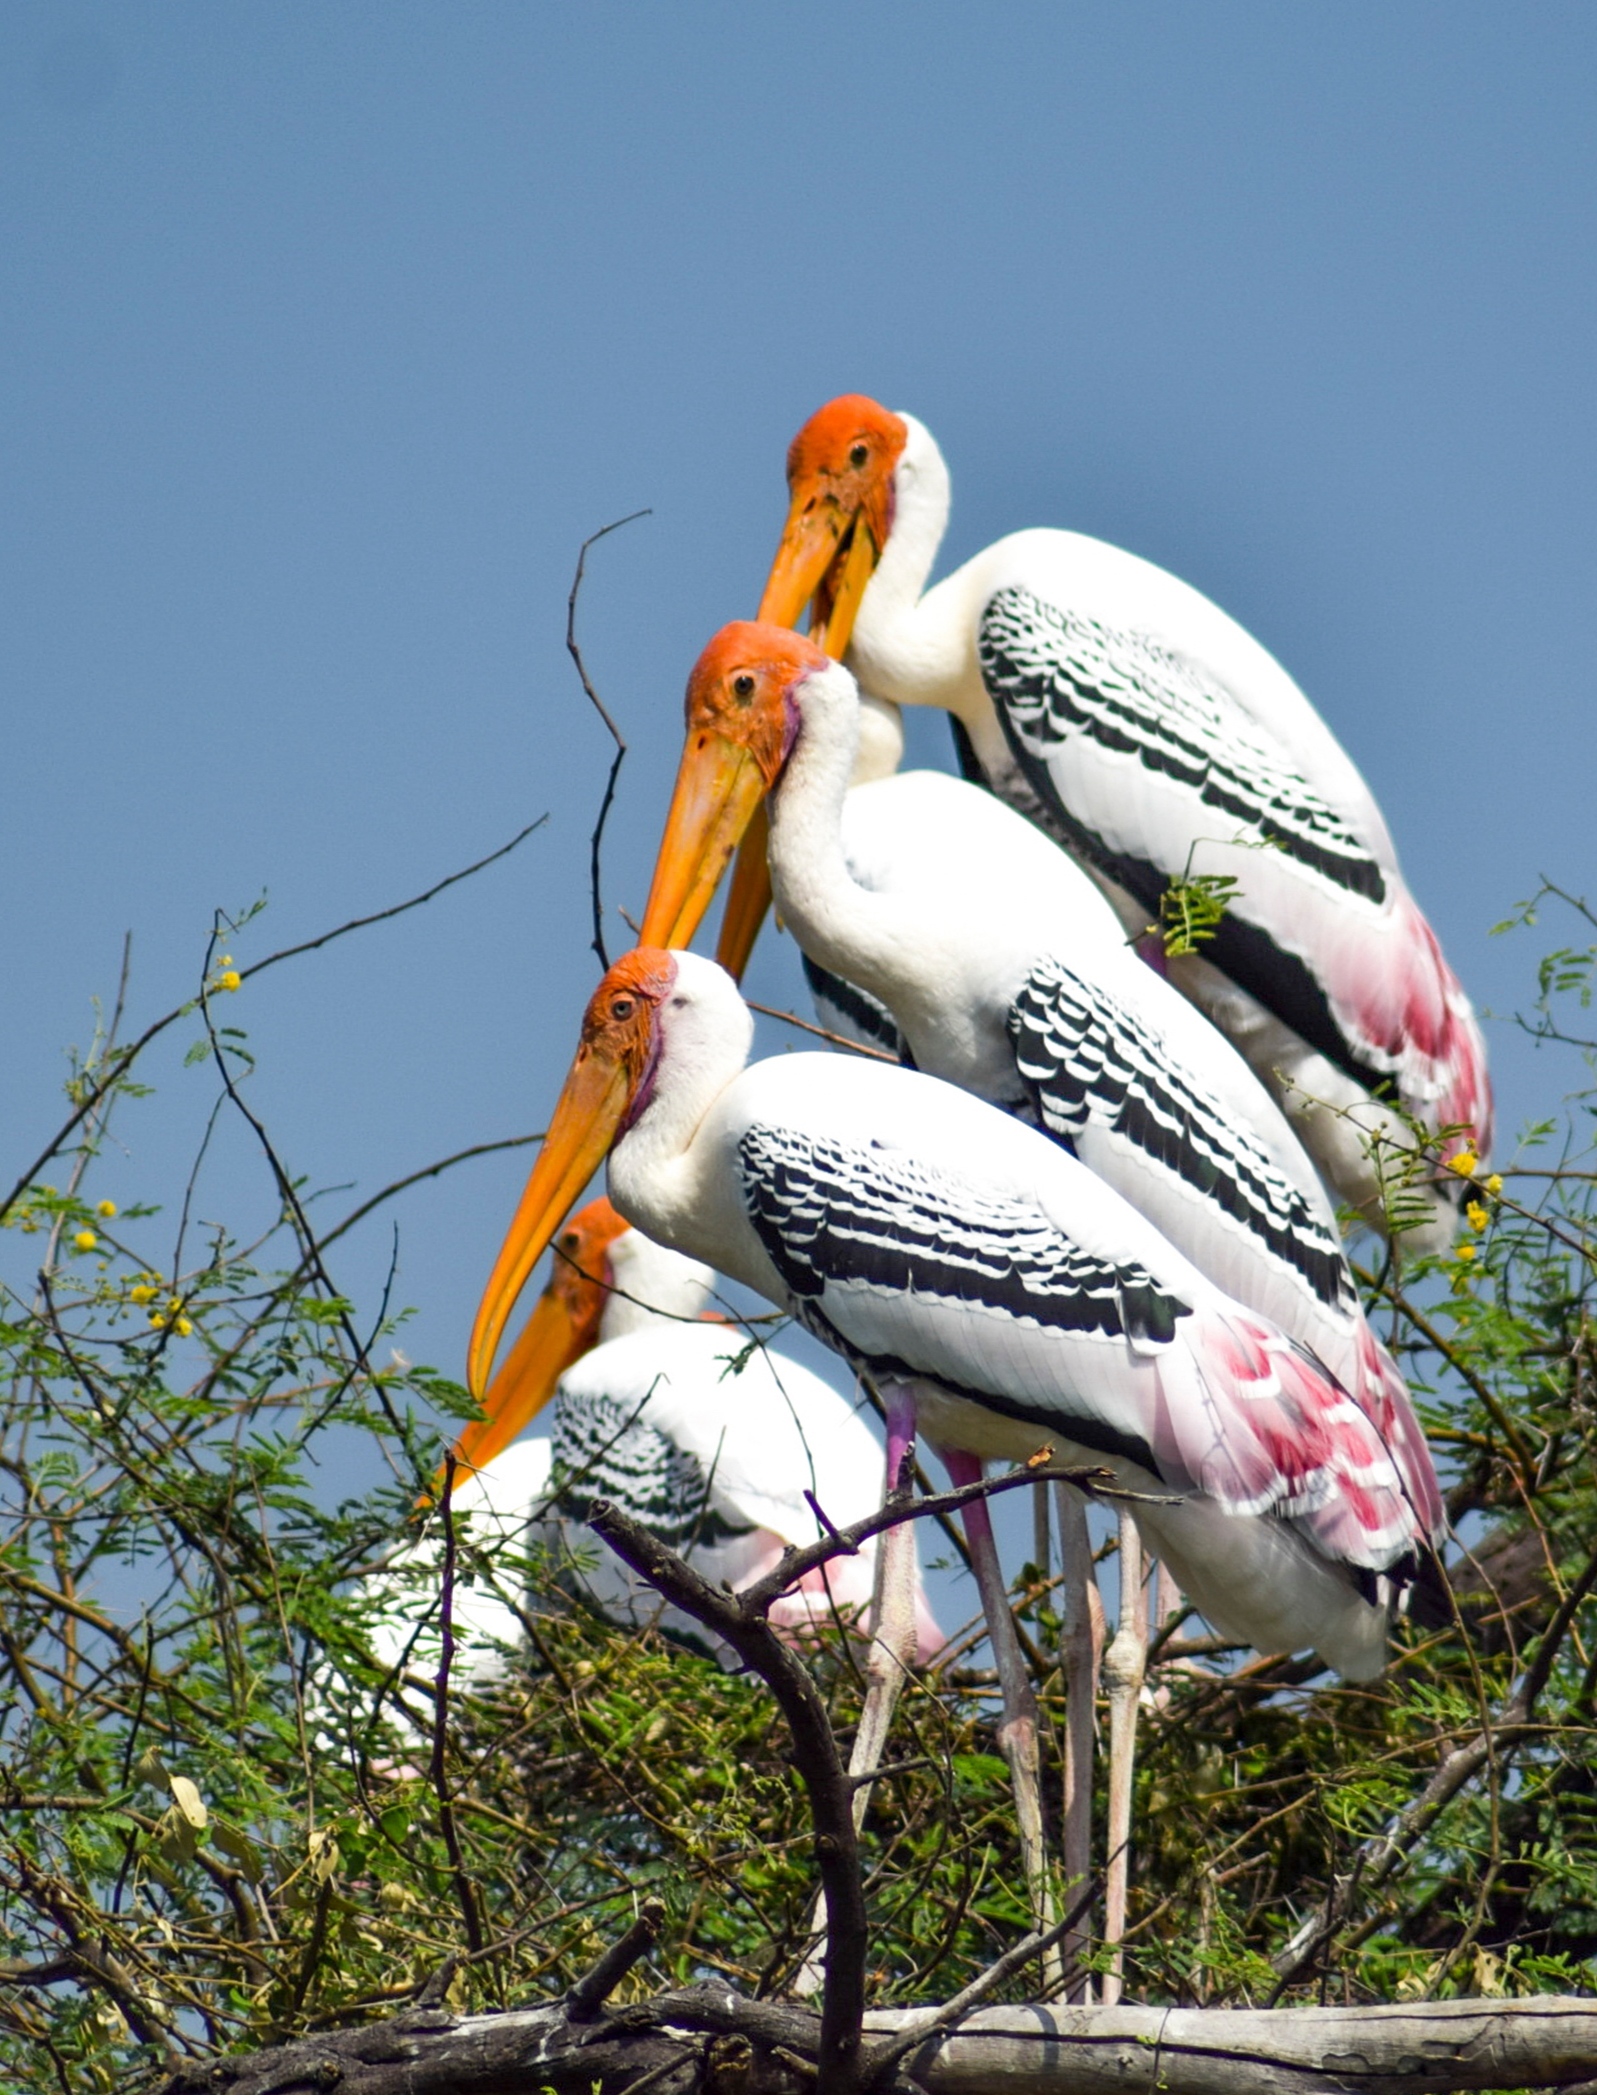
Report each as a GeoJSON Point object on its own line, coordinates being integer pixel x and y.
{"type": "Point", "coordinates": [1417, 1021]}
{"type": "Point", "coordinates": [1272, 1431]}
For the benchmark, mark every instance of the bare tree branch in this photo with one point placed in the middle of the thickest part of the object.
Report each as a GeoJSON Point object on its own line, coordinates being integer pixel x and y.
{"type": "Point", "coordinates": [595, 1987]}
{"type": "Point", "coordinates": [603, 712]}
{"type": "Point", "coordinates": [117, 1066]}
{"type": "Point", "coordinates": [741, 1621]}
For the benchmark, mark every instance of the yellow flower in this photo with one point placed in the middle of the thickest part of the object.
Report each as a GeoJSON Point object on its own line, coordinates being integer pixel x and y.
{"type": "Point", "coordinates": [1466, 1163]}
{"type": "Point", "coordinates": [143, 1292]}
{"type": "Point", "coordinates": [1476, 1215]}
{"type": "Point", "coordinates": [182, 1326]}
{"type": "Point", "coordinates": [107, 1208]}
{"type": "Point", "coordinates": [157, 1320]}
{"type": "Point", "coordinates": [1465, 1251]}
{"type": "Point", "coordinates": [85, 1240]}
{"type": "Point", "coordinates": [1495, 1183]}
{"type": "Point", "coordinates": [224, 960]}
{"type": "Point", "coordinates": [229, 978]}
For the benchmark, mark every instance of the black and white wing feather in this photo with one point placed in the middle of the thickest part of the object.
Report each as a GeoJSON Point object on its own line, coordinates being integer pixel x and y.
{"type": "Point", "coordinates": [853, 1013]}
{"type": "Point", "coordinates": [1146, 767]}
{"type": "Point", "coordinates": [1089, 1063]}
{"type": "Point", "coordinates": [916, 1270]}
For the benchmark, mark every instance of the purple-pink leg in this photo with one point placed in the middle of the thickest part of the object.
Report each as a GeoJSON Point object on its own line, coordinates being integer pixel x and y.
{"type": "Point", "coordinates": [892, 1646]}
{"type": "Point", "coordinates": [1124, 1665]}
{"type": "Point", "coordinates": [1080, 1643]}
{"type": "Point", "coordinates": [1017, 1736]}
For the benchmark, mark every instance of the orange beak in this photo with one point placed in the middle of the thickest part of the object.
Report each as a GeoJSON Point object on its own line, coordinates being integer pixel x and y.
{"type": "Point", "coordinates": [817, 523]}
{"type": "Point", "coordinates": [718, 788]}
{"type": "Point", "coordinates": [552, 1339]}
{"type": "Point", "coordinates": [592, 1106]}
{"type": "Point", "coordinates": [827, 554]}
{"type": "Point", "coordinates": [748, 898]}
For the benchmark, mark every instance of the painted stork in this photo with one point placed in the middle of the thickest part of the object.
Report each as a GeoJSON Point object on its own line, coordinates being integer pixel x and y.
{"type": "Point", "coordinates": [1155, 739]}
{"type": "Point", "coordinates": [706, 1439]}
{"type": "Point", "coordinates": [1000, 1296]}
{"type": "Point", "coordinates": [1002, 969]}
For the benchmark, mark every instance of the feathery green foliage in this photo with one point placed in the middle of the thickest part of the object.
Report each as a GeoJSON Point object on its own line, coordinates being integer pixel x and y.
{"type": "Point", "coordinates": [223, 1818]}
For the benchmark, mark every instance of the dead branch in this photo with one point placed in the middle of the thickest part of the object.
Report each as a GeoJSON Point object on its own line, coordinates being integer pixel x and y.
{"type": "Point", "coordinates": [741, 1620]}
{"type": "Point", "coordinates": [708, 2040]}
{"type": "Point", "coordinates": [603, 712]}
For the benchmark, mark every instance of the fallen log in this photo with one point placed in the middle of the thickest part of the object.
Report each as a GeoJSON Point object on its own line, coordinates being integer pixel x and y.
{"type": "Point", "coordinates": [708, 2040]}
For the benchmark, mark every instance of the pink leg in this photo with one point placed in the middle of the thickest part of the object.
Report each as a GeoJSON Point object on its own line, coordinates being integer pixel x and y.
{"type": "Point", "coordinates": [894, 1634]}
{"type": "Point", "coordinates": [1080, 1646]}
{"type": "Point", "coordinates": [1018, 1733]}
{"type": "Point", "coordinates": [1124, 1664]}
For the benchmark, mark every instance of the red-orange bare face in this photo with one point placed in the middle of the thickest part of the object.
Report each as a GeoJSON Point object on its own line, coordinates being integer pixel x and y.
{"type": "Point", "coordinates": [580, 1279]}
{"type": "Point", "coordinates": [840, 484]}
{"type": "Point", "coordinates": [740, 728]}
{"type": "Point", "coordinates": [618, 1025]}
{"type": "Point", "coordinates": [850, 446]}
{"type": "Point", "coordinates": [740, 687]}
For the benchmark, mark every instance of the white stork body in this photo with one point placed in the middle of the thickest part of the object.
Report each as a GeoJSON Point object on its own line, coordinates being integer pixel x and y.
{"type": "Point", "coordinates": [965, 1260]}
{"type": "Point", "coordinates": [1007, 974]}
{"type": "Point", "coordinates": [707, 1440]}
{"type": "Point", "coordinates": [711, 1442]}
{"type": "Point", "coordinates": [1154, 738]}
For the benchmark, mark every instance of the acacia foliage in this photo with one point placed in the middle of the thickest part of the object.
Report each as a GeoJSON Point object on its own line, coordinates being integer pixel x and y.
{"type": "Point", "coordinates": [223, 1820]}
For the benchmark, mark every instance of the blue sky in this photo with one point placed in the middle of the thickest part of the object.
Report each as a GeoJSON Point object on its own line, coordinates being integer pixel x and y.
{"type": "Point", "coordinates": [331, 332]}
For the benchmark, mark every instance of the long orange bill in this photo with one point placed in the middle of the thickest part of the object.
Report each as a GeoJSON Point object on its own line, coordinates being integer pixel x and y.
{"type": "Point", "coordinates": [748, 897]}
{"type": "Point", "coordinates": [718, 788]}
{"type": "Point", "coordinates": [550, 1342]}
{"type": "Point", "coordinates": [821, 560]}
{"type": "Point", "coordinates": [846, 587]}
{"type": "Point", "coordinates": [585, 1123]}
{"type": "Point", "coordinates": [814, 530]}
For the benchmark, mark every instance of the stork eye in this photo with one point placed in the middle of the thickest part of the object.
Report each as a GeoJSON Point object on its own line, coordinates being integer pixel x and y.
{"type": "Point", "coordinates": [858, 455]}
{"type": "Point", "coordinates": [623, 1007]}
{"type": "Point", "coordinates": [568, 1244]}
{"type": "Point", "coordinates": [743, 686]}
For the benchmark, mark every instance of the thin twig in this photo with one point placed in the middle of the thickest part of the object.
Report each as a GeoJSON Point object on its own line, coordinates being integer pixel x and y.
{"type": "Point", "coordinates": [1383, 1853]}
{"type": "Point", "coordinates": [439, 1771]}
{"type": "Point", "coordinates": [838, 1040]}
{"type": "Point", "coordinates": [117, 1067]}
{"type": "Point", "coordinates": [414, 1178]}
{"type": "Point", "coordinates": [795, 1563]}
{"type": "Point", "coordinates": [603, 712]}
{"type": "Point", "coordinates": [883, 2057]}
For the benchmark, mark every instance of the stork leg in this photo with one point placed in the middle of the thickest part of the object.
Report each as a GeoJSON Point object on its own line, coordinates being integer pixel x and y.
{"type": "Point", "coordinates": [1124, 1665]}
{"type": "Point", "coordinates": [892, 1644]}
{"type": "Point", "coordinates": [1018, 1735]}
{"type": "Point", "coordinates": [892, 1648]}
{"type": "Point", "coordinates": [1080, 1646]}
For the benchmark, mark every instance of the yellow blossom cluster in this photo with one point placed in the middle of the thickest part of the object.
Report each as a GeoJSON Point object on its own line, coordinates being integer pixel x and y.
{"type": "Point", "coordinates": [227, 976]}
{"type": "Point", "coordinates": [149, 1289]}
